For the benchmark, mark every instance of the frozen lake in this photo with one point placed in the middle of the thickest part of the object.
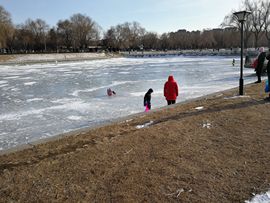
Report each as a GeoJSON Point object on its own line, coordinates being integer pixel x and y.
{"type": "Point", "coordinates": [43, 100]}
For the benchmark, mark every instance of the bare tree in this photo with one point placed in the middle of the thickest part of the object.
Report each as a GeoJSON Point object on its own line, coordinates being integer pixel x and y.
{"type": "Point", "coordinates": [194, 39]}
{"type": "Point", "coordinates": [41, 30]}
{"type": "Point", "coordinates": [84, 31]}
{"type": "Point", "coordinates": [179, 39]}
{"type": "Point", "coordinates": [150, 41]}
{"type": "Point", "coordinates": [6, 27]}
{"type": "Point", "coordinates": [64, 31]}
{"type": "Point", "coordinates": [256, 17]}
{"type": "Point", "coordinates": [207, 39]}
{"type": "Point", "coordinates": [53, 40]}
{"type": "Point", "coordinates": [37, 30]}
{"type": "Point", "coordinates": [232, 21]}
{"type": "Point", "coordinates": [231, 37]}
{"type": "Point", "coordinates": [266, 19]}
{"type": "Point", "coordinates": [110, 39]}
{"type": "Point", "coordinates": [137, 32]}
{"type": "Point", "coordinates": [164, 41]}
{"type": "Point", "coordinates": [125, 36]}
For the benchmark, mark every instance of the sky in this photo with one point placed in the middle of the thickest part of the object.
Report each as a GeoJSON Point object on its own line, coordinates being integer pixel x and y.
{"type": "Point", "coordinates": [154, 15]}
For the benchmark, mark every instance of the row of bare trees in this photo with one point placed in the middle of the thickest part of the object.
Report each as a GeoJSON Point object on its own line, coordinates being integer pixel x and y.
{"type": "Point", "coordinates": [73, 34]}
{"type": "Point", "coordinates": [80, 33]}
{"type": "Point", "coordinates": [257, 24]}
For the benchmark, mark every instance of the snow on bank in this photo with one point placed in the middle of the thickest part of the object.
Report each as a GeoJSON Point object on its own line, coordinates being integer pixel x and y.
{"type": "Point", "coordinates": [261, 198]}
{"type": "Point", "coordinates": [237, 97]}
{"type": "Point", "coordinates": [199, 108]}
{"type": "Point", "coordinates": [144, 125]}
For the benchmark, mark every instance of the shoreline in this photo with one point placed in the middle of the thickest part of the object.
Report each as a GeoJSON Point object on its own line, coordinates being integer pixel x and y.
{"type": "Point", "coordinates": [40, 58]}
{"type": "Point", "coordinates": [104, 124]}
{"type": "Point", "coordinates": [9, 144]}
{"type": "Point", "coordinates": [182, 153]}
{"type": "Point", "coordinates": [24, 59]}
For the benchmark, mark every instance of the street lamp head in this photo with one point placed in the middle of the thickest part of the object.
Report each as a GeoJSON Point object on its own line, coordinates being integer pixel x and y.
{"type": "Point", "coordinates": [241, 15]}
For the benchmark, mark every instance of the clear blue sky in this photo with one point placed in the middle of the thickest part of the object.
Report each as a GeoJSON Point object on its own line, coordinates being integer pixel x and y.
{"type": "Point", "coordinates": [155, 15]}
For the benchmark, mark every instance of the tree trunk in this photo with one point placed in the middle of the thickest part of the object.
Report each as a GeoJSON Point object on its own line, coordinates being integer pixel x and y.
{"type": "Point", "coordinates": [256, 40]}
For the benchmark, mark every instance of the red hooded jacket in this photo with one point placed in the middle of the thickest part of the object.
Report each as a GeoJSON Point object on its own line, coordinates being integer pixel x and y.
{"type": "Point", "coordinates": [171, 89]}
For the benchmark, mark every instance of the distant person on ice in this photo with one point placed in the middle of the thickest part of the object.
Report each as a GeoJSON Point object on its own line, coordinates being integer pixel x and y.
{"type": "Point", "coordinates": [171, 90]}
{"type": "Point", "coordinates": [147, 99]}
{"type": "Point", "coordinates": [260, 64]}
{"type": "Point", "coordinates": [110, 92]}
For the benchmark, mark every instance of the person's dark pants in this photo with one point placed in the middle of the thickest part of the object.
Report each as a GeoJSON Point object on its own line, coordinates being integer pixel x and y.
{"type": "Point", "coordinates": [259, 73]}
{"type": "Point", "coordinates": [170, 102]}
{"type": "Point", "coordinates": [268, 75]}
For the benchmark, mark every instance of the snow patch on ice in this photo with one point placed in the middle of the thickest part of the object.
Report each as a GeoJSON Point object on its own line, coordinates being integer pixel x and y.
{"type": "Point", "coordinates": [11, 77]}
{"type": "Point", "coordinates": [76, 105]}
{"type": "Point", "coordinates": [25, 78]}
{"type": "Point", "coordinates": [15, 89]}
{"type": "Point", "coordinates": [159, 92]}
{"type": "Point", "coordinates": [4, 85]}
{"type": "Point", "coordinates": [29, 83]}
{"type": "Point", "coordinates": [3, 82]}
{"type": "Point", "coordinates": [76, 118]}
{"type": "Point", "coordinates": [137, 94]}
{"type": "Point", "coordinates": [64, 100]}
{"type": "Point", "coordinates": [34, 99]}
{"type": "Point", "coordinates": [76, 92]}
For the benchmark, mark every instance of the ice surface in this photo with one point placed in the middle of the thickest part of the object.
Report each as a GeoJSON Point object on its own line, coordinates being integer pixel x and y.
{"type": "Point", "coordinates": [42, 100]}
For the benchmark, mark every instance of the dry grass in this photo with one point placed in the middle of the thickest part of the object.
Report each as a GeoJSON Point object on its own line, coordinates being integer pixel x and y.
{"type": "Point", "coordinates": [4, 58]}
{"type": "Point", "coordinates": [217, 154]}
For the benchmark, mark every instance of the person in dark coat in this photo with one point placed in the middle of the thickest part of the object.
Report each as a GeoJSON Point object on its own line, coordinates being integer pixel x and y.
{"type": "Point", "coordinates": [268, 70]}
{"type": "Point", "coordinates": [147, 98]}
{"type": "Point", "coordinates": [259, 68]}
{"type": "Point", "coordinates": [171, 90]}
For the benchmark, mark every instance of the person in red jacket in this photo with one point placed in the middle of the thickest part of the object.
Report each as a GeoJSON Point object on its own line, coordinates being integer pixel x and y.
{"type": "Point", "coordinates": [171, 90]}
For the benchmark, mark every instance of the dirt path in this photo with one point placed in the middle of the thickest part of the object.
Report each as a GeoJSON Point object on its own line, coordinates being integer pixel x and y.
{"type": "Point", "coordinates": [218, 153]}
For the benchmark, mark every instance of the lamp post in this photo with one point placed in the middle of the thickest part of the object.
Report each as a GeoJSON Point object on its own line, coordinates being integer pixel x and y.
{"type": "Point", "coordinates": [241, 17]}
